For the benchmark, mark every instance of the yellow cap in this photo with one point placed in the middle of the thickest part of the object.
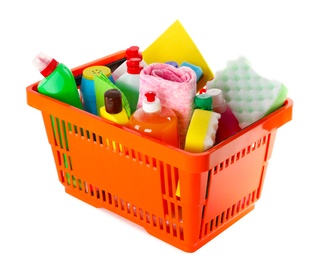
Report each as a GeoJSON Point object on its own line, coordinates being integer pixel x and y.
{"type": "Point", "coordinates": [90, 72]}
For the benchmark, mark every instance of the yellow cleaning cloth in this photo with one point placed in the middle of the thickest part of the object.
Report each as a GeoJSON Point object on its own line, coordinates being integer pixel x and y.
{"type": "Point", "coordinates": [175, 44]}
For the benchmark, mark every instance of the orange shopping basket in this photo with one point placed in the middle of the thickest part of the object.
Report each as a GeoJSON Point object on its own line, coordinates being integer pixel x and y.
{"type": "Point", "coordinates": [109, 166]}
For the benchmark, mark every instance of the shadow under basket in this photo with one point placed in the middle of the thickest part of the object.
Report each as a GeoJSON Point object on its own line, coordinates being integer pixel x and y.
{"type": "Point", "coordinates": [109, 166]}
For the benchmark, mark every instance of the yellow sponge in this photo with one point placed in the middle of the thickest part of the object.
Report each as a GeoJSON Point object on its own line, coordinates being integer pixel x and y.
{"type": "Point", "coordinates": [176, 44]}
{"type": "Point", "coordinates": [202, 130]}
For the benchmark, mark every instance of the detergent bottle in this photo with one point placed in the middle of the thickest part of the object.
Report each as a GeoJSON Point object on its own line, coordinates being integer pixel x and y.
{"type": "Point", "coordinates": [58, 82]}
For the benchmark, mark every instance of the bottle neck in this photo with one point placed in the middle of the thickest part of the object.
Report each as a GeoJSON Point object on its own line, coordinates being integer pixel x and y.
{"type": "Point", "coordinates": [49, 68]}
{"type": "Point", "coordinates": [221, 109]}
{"type": "Point", "coordinates": [134, 66]}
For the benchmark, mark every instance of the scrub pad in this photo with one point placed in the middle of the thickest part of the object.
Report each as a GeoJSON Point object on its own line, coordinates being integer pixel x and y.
{"type": "Point", "coordinates": [198, 70]}
{"type": "Point", "coordinates": [249, 95]}
{"type": "Point", "coordinates": [202, 131]}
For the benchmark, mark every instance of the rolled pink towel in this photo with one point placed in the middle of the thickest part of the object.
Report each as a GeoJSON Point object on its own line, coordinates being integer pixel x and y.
{"type": "Point", "coordinates": [175, 87]}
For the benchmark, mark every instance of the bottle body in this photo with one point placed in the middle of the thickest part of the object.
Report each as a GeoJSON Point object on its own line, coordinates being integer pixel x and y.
{"type": "Point", "coordinates": [162, 125]}
{"type": "Point", "coordinates": [129, 85]}
{"type": "Point", "coordinates": [228, 124]}
{"type": "Point", "coordinates": [61, 85]}
{"type": "Point", "coordinates": [121, 118]}
{"type": "Point", "coordinates": [114, 111]}
{"type": "Point", "coordinates": [88, 89]}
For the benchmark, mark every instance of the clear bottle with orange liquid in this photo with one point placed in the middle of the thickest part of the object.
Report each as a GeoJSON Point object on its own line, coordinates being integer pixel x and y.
{"type": "Point", "coordinates": [155, 120]}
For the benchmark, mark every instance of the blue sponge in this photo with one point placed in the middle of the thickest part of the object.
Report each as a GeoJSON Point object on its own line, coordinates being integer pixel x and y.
{"type": "Point", "coordinates": [198, 70]}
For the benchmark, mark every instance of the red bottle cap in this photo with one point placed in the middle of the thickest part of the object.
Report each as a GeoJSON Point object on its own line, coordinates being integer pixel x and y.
{"type": "Point", "coordinates": [133, 52]}
{"type": "Point", "coordinates": [150, 96]}
{"type": "Point", "coordinates": [133, 66]}
{"type": "Point", "coordinates": [45, 64]}
{"type": "Point", "coordinates": [151, 104]}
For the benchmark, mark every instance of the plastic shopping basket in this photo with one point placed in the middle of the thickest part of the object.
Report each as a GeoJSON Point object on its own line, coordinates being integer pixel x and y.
{"type": "Point", "coordinates": [109, 166]}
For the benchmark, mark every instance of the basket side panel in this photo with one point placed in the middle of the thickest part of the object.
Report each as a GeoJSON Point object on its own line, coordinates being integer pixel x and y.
{"type": "Point", "coordinates": [235, 178]}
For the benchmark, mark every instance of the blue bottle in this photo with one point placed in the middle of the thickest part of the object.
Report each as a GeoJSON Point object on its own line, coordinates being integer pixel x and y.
{"type": "Point", "coordinates": [87, 87]}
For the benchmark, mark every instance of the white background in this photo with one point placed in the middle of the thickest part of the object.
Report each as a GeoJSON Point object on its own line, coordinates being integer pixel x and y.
{"type": "Point", "coordinates": [289, 41]}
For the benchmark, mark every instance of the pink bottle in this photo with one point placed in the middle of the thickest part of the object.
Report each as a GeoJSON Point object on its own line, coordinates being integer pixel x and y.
{"type": "Point", "coordinates": [228, 123]}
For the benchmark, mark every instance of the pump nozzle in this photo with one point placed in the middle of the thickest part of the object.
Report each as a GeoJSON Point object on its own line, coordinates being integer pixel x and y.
{"type": "Point", "coordinates": [150, 96]}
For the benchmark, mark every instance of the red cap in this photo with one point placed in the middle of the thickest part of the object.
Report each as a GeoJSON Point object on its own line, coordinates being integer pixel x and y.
{"type": "Point", "coordinates": [133, 66]}
{"type": "Point", "coordinates": [152, 103]}
{"type": "Point", "coordinates": [49, 68]}
{"type": "Point", "coordinates": [133, 52]}
{"type": "Point", "coordinates": [45, 64]}
{"type": "Point", "coordinates": [150, 96]}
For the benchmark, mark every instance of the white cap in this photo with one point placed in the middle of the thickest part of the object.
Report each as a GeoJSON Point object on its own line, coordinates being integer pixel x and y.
{"type": "Point", "coordinates": [218, 100]}
{"type": "Point", "coordinates": [41, 61]}
{"type": "Point", "coordinates": [151, 103]}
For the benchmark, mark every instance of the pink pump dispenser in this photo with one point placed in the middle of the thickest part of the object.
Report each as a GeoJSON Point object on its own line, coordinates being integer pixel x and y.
{"type": "Point", "coordinates": [155, 120]}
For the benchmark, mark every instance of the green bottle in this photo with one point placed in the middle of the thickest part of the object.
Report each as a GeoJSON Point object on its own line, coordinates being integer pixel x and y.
{"type": "Point", "coordinates": [58, 82]}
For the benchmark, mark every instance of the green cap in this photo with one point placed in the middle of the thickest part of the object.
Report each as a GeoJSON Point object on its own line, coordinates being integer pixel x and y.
{"type": "Point", "coordinates": [203, 101]}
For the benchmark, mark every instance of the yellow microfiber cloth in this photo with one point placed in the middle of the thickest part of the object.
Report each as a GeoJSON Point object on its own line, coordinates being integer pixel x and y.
{"type": "Point", "coordinates": [202, 130]}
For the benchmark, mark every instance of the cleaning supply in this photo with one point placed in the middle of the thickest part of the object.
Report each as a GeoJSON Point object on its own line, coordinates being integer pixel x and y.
{"type": "Point", "coordinates": [156, 120]}
{"type": "Point", "coordinates": [228, 124]}
{"type": "Point", "coordinates": [175, 43]}
{"type": "Point", "coordinates": [131, 52]}
{"type": "Point", "coordinates": [129, 82]}
{"type": "Point", "coordinates": [198, 70]}
{"type": "Point", "coordinates": [202, 131]}
{"type": "Point", "coordinates": [175, 87]}
{"type": "Point", "coordinates": [203, 101]}
{"type": "Point", "coordinates": [249, 95]}
{"type": "Point", "coordinates": [173, 63]}
{"type": "Point", "coordinates": [58, 82]}
{"type": "Point", "coordinates": [87, 87]}
{"type": "Point", "coordinates": [113, 111]}
{"type": "Point", "coordinates": [102, 84]}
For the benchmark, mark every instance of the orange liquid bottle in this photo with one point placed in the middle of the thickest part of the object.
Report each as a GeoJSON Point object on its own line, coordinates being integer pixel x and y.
{"type": "Point", "coordinates": [156, 121]}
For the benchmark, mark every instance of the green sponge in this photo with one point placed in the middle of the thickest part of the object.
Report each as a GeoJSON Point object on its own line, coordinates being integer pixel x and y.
{"type": "Point", "coordinates": [249, 95]}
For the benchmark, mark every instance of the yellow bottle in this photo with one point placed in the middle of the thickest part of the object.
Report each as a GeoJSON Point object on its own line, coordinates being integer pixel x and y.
{"type": "Point", "coordinates": [113, 110]}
